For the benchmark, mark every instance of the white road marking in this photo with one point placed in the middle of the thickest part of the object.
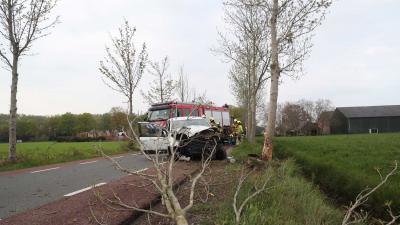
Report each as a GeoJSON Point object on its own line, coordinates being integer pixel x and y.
{"type": "Point", "coordinates": [84, 189]}
{"type": "Point", "coordinates": [83, 163]}
{"type": "Point", "coordinates": [38, 171]}
{"type": "Point", "coordinates": [135, 154]}
{"type": "Point", "coordinates": [117, 157]}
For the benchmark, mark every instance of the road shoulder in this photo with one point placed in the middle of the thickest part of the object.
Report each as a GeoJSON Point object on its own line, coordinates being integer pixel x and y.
{"type": "Point", "coordinates": [81, 208]}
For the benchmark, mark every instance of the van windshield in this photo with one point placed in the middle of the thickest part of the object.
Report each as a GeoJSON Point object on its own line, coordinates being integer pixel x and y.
{"type": "Point", "coordinates": [162, 114]}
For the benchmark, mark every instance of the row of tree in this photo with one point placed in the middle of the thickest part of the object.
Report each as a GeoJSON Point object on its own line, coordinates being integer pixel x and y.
{"type": "Point", "coordinates": [123, 68]}
{"type": "Point", "coordinates": [291, 116]}
{"type": "Point", "coordinates": [24, 22]}
{"type": "Point", "coordinates": [43, 128]}
{"type": "Point", "coordinates": [265, 40]}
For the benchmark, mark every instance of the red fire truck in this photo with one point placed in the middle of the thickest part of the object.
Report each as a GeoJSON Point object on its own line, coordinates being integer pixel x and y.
{"type": "Point", "coordinates": [163, 111]}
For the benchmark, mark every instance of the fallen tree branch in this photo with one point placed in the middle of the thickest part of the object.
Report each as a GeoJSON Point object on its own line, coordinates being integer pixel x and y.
{"type": "Point", "coordinates": [238, 209]}
{"type": "Point", "coordinates": [352, 217]}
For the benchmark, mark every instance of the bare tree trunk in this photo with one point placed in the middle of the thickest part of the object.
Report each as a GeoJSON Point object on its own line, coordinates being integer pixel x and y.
{"type": "Point", "coordinates": [250, 123]}
{"type": "Point", "coordinates": [130, 99]}
{"type": "Point", "coordinates": [13, 112]}
{"type": "Point", "coordinates": [253, 113]}
{"type": "Point", "coordinates": [181, 220]}
{"type": "Point", "coordinates": [131, 143]}
{"type": "Point", "coordinates": [253, 120]}
{"type": "Point", "coordinates": [248, 93]}
{"type": "Point", "coordinates": [273, 101]}
{"type": "Point", "coordinates": [252, 103]}
{"type": "Point", "coordinates": [130, 107]}
{"type": "Point", "coordinates": [249, 116]}
{"type": "Point", "coordinates": [253, 92]}
{"type": "Point", "coordinates": [161, 90]}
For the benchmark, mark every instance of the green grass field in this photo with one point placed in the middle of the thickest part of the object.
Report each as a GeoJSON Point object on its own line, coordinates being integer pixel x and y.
{"type": "Point", "coordinates": [43, 153]}
{"type": "Point", "coordinates": [346, 164]}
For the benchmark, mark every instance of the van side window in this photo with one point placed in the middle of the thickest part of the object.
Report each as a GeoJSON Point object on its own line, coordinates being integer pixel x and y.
{"type": "Point", "coordinates": [195, 112]}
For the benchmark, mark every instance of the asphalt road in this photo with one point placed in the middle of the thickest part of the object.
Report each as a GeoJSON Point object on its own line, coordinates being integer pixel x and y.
{"type": "Point", "coordinates": [22, 191]}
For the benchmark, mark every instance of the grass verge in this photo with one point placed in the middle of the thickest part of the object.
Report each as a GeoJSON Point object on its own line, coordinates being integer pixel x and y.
{"type": "Point", "coordinates": [44, 153]}
{"type": "Point", "coordinates": [346, 164]}
{"type": "Point", "coordinates": [289, 200]}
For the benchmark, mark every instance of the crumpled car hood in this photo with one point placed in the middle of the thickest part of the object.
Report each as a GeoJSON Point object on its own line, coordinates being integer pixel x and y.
{"type": "Point", "coordinates": [194, 129]}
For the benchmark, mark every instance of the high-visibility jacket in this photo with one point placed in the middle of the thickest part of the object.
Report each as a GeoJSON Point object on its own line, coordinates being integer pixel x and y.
{"type": "Point", "coordinates": [239, 129]}
{"type": "Point", "coordinates": [234, 129]}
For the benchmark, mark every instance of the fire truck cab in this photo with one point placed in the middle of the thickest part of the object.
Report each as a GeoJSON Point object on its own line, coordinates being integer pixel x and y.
{"type": "Point", "coordinates": [160, 113]}
{"type": "Point", "coordinates": [164, 111]}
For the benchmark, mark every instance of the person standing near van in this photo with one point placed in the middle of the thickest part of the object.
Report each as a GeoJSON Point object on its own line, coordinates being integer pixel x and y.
{"type": "Point", "coordinates": [239, 132]}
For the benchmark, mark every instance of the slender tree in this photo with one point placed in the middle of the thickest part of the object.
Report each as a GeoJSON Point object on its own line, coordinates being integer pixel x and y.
{"type": "Point", "coordinates": [201, 98]}
{"type": "Point", "coordinates": [309, 107]}
{"type": "Point", "coordinates": [322, 105]}
{"type": "Point", "coordinates": [291, 23]}
{"type": "Point", "coordinates": [246, 46]}
{"type": "Point", "coordinates": [118, 119]}
{"type": "Point", "coordinates": [293, 115]}
{"type": "Point", "coordinates": [22, 22]}
{"type": "Point", "coordinates": [122, 67]}
{"type": "Point", "coordinates": [182, 86]}
{"type": "Point", "coordinates": [162, 89]}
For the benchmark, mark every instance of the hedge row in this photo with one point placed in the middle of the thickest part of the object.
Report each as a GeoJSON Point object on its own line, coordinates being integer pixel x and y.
{"type": "Point", "coordinates": [78, 139]}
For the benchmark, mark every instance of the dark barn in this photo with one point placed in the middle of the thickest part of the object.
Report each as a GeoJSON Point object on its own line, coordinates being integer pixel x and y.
{"type": "Point", "coordinates": [365, 119]}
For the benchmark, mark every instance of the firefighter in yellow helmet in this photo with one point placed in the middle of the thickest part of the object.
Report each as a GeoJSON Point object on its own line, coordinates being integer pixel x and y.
{"type": "Point", "coordinates": [212, 122]}
{"type": "Point", "coordinates": [239, 132]}
{"type": "Point", "coordinates": [234, 126]}
{"type": "Point", "coordinates": [233, 132]}
{"type": "Point", "coordinates": [215, 124]}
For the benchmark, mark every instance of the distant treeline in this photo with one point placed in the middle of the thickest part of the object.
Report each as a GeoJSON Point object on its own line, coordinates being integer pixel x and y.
{"type": "Point", "coordinates": [44, 128]}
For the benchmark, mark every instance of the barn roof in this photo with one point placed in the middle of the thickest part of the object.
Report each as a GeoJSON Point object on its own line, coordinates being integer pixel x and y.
{"type": "Point", "coordinates": [370, 111]}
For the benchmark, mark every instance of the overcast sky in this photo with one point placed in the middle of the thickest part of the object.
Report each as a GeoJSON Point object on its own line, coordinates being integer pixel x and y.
{"type": "Point", "coordinates": [354, 61]}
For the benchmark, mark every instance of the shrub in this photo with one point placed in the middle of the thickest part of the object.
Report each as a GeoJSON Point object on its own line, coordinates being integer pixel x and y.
{"type": "Point", "coordinates": [78, 139]}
